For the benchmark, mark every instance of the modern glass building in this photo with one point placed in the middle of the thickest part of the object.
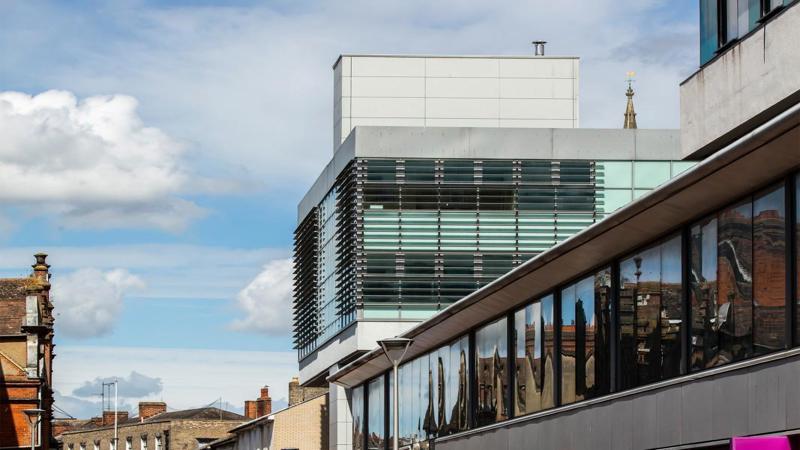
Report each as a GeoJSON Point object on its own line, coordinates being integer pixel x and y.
{"type": "Point", "coordinates": [404, 238]}
{"type": "Point", "coordinates": [395, 236]}
{"type": "Point", "coordinates": [672, 324]}
{"type": "Point", "coordinates": [717, 290]}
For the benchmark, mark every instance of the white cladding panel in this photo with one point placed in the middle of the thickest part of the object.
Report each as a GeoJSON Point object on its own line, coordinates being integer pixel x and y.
{"type": "Point", "coordinates": [459, 91]}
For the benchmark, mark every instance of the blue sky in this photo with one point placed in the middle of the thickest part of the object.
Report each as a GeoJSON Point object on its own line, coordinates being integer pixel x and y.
{"type": "Point", "coordinates": [163, 177]}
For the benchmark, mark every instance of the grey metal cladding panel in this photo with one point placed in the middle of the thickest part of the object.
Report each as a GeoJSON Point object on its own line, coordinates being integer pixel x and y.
{"type": "Point", "coordinates": [793, 397]}
{"type": "Point", "coordinates": [589, 143]}
{"type": "Point", "coordinates": [729, 416]}
{"type": "Point", "coordinates": [621, 424]}
{"type": "Point", "coordinates": [669, 417]}
{"type": "Point", "coordinates": [767, 410]}
{"type": "Point", "coordinates": [645, 421]}
{"type": "Point", "coordinates": [601, 429]}
{"type": "Point", "coordinates": [490, 439]}
{"type": "Point", "coordinates": [697, 412]}
{"type": "Point", "coordinates": [658, 145]}
{"type": "Point", "coordinates": [496, 439]}
{"type": "Point", "coordinates": [589, 432]}
{"type": "Point", "coordinates": [523, 436]}
{"type": "Point", "coordinates": [565, 434]}
{"type": "Point", "coordinates": [548, 434]}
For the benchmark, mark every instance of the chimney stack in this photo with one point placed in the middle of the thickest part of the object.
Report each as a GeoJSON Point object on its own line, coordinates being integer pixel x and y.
{"type": "Point", "coordinates": [295, 394]}
{"type": "Point", "coordinates": [150, 409]}
{"type": "Point", "coordinates": [264, 402]}
{"type": "Point", "coordinates": [538, 48]}
{"type": "Point", "coordinates": [108, 417]}
{"type": "Point", "coordinates": [250, 410]}
{"type": "Point", "coordinates": [259, 407]}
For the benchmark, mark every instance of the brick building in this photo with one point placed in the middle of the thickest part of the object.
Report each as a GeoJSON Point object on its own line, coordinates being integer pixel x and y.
{"type": "Point", "coordinates": [153, 429]}
{"type": "Point", "coordinates": [301, 426]}
{"type": "Point", "coordinates": [26, 354]}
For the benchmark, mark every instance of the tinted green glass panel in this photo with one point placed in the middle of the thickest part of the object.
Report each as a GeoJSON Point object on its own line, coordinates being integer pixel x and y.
{"type": "Point", "coordinates": [613, 199]}
{"type": "Point", "coordinates": [615, 174]}
{"type": "Point", "coordinates": [679, 167]}
{"type": "Point", "coordinates": [708, 30]}
{"type": "Point", "coordinates": [649, 174]}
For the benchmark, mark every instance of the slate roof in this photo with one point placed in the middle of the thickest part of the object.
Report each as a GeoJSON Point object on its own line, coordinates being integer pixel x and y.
{"type": "Point", "coordinates": [208, 413]}
{"type": "Point", "coordinates": [12, 303]}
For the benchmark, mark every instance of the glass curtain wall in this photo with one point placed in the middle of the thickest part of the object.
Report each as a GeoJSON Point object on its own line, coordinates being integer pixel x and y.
{"type": "Point", "coordinates": [434, 393]}
{"type": "Point", "coordinates": [736, 277]}
{"type": "Point", "coordinates": [585, 338]}
{"type": "Point", "coordinates": [738, 281]}
{"type": "Point", "coordinates": [534, 380]}
{"type": "Point", "coordinates": [491, 360]}
{"type": "Point", "coordinates": [650, 314]}
{"type": "Point", "coordinates": [376, 414]}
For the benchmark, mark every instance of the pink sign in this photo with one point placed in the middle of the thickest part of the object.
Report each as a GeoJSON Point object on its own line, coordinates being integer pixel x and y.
{"type": "Point", "coordinates": [761, 443]}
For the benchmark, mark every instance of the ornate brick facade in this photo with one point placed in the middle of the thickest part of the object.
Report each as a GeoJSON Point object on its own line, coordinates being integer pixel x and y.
{"type": "Point", "coordinates": [26, 354]}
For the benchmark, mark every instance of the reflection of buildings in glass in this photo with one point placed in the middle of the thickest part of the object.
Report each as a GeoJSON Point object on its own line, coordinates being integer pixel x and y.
{"type": "Point", "coordinates": [735, 282]}
{"type": "Point", "coordinates": [650, 314]}
{"type": "Point", "coordinates": [492, 375]}
{"type": "Point", "coordinates": [769, 279]}
{"type": "Point", "coordinates": [548, 372]}
{"type": "Point", "coordinates": [598, 380]}
{"type": "Point", "coordinates": [740, 313]}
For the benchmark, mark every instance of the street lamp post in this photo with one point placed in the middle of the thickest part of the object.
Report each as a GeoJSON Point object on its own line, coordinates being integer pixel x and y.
{"type": "Point", "coordinates": [395, 349]}
{"type": "Point", "coordinates": [34, 417]}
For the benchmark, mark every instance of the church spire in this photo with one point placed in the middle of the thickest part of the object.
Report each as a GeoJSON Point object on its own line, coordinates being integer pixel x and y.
{"type": "Point", "coordinates": [630, 114]}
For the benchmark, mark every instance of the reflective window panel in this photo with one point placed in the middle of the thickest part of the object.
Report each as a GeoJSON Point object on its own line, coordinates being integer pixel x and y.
{"type": "Point", "coordinates": [491, 368]}
{"type": "Point", "coordinates": [548, 352]}
{"type": "Point", "coordinates": [703, 295]}
{"type": "Point", "coordinates": [769, 276]}
{"type": "Point", "coordinates": [735, 282]}
{"type": "Point", "coordinates": [585, 334]}
{"type": "Point", "coordinates": [528, 345]}
{"type": "Point", "coordinates": [650, 314]}
{"type": "Point", "coordinates": [357, 410]}
{"type": "Point", "coordinates": [738, 281]}
{"type": "Point", "coordinates": [376, 414]}
{"type": "Point", "coordinates": [797, 254]}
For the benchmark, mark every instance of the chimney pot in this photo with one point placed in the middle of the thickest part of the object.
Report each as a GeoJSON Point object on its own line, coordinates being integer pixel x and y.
{"type": "Point", "coordinates": [40, 269]}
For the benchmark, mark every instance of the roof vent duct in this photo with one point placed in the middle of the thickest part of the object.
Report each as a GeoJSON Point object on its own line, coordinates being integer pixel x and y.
{"type": "Point", "coordinates": [538, 48]}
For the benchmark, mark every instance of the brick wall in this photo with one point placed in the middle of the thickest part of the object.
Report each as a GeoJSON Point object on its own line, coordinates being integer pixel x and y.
{"type": "Point", "coordinates": [14, 425]}
{"type": "Point", "coordinates": [150, 409]}
{"type": "Point", "coordinates": [303, 426]}
{"type": "Point", "coordinates": [298, 394]}
{"type": "Point", "coordinates": [176, 434]}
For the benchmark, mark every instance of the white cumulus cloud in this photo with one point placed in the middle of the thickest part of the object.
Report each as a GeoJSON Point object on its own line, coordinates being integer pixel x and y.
{"type": "Point", "coordinates": [88, 301]}
{"type": "Point", "coordinates": [267, 300]}
{"type": "Point", "coordinates": [92, 163]}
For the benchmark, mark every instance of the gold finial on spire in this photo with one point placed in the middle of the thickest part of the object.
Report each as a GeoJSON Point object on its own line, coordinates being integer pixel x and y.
{"type": "Point", "coordinates": [630, 114]}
